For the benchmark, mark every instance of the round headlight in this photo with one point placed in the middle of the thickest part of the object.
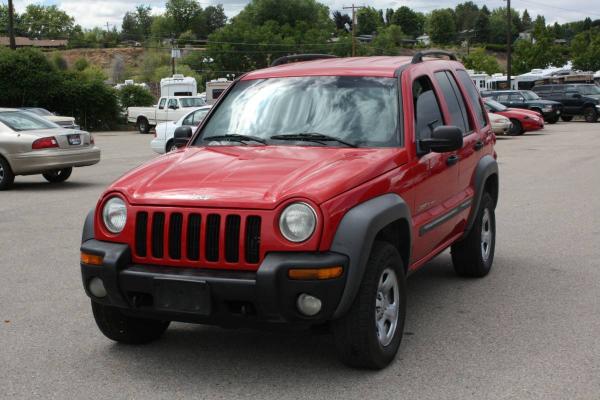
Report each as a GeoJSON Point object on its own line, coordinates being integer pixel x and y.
{"type": "Point", "coordinates": [297, 222]}
{"type": "Point", "coordinates": [114, 215]}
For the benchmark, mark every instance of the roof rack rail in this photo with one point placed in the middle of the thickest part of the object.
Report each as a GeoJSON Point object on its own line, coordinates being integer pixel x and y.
{"type": "Point", "coordinates": [427, 53]}
{"type": "Point", "coordinates": [300, 57]}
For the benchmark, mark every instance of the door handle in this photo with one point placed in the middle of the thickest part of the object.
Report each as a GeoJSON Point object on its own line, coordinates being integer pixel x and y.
{"type": "Point", "coordinates": [478, 146]}
{"type": "Point", "coordinates": [453, 159]}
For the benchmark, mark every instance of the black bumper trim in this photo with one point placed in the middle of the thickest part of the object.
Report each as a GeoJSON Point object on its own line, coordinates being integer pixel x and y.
{"type": "Point", "coordinates": [266, 295]}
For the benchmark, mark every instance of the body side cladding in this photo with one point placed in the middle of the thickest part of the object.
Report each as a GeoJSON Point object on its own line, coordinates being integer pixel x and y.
{"type": "Point", "coordinates": [88, 227]}
{"type": "Point", "coordinates": [355, 236]}
{"type": "Point", "coordinates": [486, 167]}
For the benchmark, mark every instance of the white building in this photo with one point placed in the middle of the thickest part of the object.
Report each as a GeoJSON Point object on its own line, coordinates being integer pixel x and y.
{"type": "Point", "coordinates": [424, 40]}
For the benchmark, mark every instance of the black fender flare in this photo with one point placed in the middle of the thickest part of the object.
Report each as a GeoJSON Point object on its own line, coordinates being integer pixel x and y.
{"type": "Point", "coordinates": [355, 236]}
{"type": "Point", "coordinates": [486, 167]}
{"type": "Point", "coordinates": [88, 226]}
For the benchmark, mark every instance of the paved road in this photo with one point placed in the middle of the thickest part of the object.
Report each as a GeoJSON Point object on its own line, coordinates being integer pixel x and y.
{"type": "Point", "coordinates": [531, 329]}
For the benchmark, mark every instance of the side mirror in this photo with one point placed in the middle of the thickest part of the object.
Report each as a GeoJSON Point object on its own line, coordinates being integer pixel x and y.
{"type": "Point", "coordinates": [183, 134]}
{"type": "Point", "coordinates": [443, 139]}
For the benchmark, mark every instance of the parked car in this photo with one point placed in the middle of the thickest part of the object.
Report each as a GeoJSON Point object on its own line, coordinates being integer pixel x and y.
{"type": "Point", "coordinates": [304, 198]}
{"type": "Point", "coordinates": [500, 124]}
{"type": "Point", "coordinates": [521, 120]}
{"type": "Point", "coordinates": [577, 99]}
{"type": "Point", "coordinates": [165, 131]}
{"type": "Point", "coordinates": [65, 122]}
{"type": "Point", "coordinates": [169, 108]}
{"type": "Point", "coordinates": [528, 100]}
{"type": "Point", "coordinates": [31, 145]}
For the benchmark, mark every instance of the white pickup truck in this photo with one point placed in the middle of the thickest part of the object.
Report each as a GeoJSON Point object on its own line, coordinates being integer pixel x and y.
{"type": "Point", "coordinates": [169, 108]}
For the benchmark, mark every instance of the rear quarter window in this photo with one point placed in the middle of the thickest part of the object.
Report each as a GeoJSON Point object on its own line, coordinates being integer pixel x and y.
{"type": "Point", "coordinates": [473, 95]}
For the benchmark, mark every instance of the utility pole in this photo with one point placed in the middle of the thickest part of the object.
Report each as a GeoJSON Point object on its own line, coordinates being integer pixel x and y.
{"type": "Point", "coordinates": [175, 53]}
{"type": "Point", "coordinates": [11, 25]}
{"type": "Point", "coordinates": [508, 44]}
{"type": "Point", "coordinates": [354, 8]}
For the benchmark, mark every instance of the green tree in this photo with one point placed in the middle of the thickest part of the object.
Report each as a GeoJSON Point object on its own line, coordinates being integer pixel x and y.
{"type": "Point", "coordinates": [389, 16]}
{"type": "Point", "coordinates": [163, 27]}
{"type": "Point", "coordinates": [526, 21]}
{"type": "Point", "coordinates": [466, 15]}
{"type": "Point", "coordinates": [368, 21]}
{"type": "Point", "coordinates": [482, 26]}
{"type": "Point", "coordinates": [208, 21]}
{"type": "Point", "coordinates": [137, 24]}
{"type": "Point", "coordinates": [135, 96]}
{"type": "Point", "coordinates": [498, 25]}
{"type": "Point", "coordinates": [40, 21]}
{"type": "Point", "coordinates": [541, 54]}
{"type": "Point", "coordinates": [585, 48]}
{"type": "Point", "coordinates": [267, 29]}
{"type": "Point", "coordinates": [183, 12]}
{"type": "Point", "coordinates": [443, 26]}
{"type": "Point", "coordinates": [341, 20]}
{"type": "Point", "coordinates": [479, 61]}
{"type": "Point", "coordinates": [387, 41]}
{"type": "Point", "coordinates": [412, 23]}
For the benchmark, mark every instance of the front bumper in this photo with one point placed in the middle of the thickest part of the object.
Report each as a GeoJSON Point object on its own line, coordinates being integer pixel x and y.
{"type": "Point", "coordinates": [231, 298]}
{"type": "Point", "coordinates": [39, 161]}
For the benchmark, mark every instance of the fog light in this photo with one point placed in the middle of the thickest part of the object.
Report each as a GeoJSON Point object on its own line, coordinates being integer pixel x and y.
{"type": "Point", "coordinates": [96, 287]}
{"type": "Point", "coordinates": [308, 305]}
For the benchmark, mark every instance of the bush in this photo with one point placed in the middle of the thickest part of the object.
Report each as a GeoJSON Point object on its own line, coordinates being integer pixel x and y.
{"type": "Point", "coordinates": [135, 96]}
{"type": "Point", "coordinates": [29, 78]}
{"type": "Point", "coordinates": [81, 64]}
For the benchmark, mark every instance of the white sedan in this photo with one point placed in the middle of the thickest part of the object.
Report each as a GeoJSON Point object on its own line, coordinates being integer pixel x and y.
{"type": "Point", "coordinates": [500, 124]}
{"type": "Point", "coordinates": [163, 142]}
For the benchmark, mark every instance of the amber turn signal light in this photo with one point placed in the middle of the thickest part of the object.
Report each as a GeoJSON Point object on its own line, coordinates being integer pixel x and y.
{"type": "Point", "coordinates": [91, 259]}
{"type": "Point", "coordinates": [315, 273]}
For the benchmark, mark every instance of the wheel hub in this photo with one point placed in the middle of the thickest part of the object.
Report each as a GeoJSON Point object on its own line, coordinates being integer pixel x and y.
{"type": "Point", "coordinates": [387, 306]}
{"type": "Point", "coordinates": [486, 235]}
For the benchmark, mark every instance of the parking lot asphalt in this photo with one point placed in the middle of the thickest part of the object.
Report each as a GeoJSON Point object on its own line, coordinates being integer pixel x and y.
{"type": "Point", "coordinates": [530, 330]}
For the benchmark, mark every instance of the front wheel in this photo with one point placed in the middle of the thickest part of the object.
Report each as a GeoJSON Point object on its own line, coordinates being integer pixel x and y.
{"type": "Point", "coordinates": [369, 335]}
{"type": "Point", "coordinates": [552, 120]}
{"type": "Point", "coordinates": [58, 175]}
{"type": "Point", "coordinates": [567, 118]}
{"type": "Point", "coordinates": [473, 256]}
{"type": "Point", "coordinates": [125, 329]}
{"type": "Point", "coordinates": [143, 126]}
{"type": "Point", "coordinates": [170, 146]}
{"type": "Point", "coordinates": [7, 177]}
{"type": "Point", "coordinates": [590, 114]}
{"type": "Point", "coordinates": [516, 128]}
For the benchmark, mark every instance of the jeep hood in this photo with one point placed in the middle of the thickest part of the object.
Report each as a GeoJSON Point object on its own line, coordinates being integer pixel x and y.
{"type": "Point", "coordinates": [254, 177]}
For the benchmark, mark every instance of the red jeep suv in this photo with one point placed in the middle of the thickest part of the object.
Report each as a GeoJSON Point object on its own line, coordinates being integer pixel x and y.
{"type": "Point", "coordinates": [306, 197]}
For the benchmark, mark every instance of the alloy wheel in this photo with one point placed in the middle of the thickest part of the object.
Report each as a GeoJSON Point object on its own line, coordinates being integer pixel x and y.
{"type": "Point", "coordinates": [487, 235]}
{"type": "Point", "coordinates": [387, 306]}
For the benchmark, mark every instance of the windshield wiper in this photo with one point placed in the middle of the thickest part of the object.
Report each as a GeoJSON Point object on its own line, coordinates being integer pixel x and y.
{"type": "Point", "coordinates": [312, 137]}
{"type": "Point", "coordinates": [234, 137]}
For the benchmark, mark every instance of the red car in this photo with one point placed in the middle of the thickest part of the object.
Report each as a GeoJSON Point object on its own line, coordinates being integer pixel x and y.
{"type": "Point", "coordinates": [522, 120]}
{"type": "Point", "coordinates": [308, 194]}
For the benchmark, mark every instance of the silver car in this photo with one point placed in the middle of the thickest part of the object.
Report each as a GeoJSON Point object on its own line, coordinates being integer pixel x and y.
{"type": "Point", "coordinates": [31, 145]}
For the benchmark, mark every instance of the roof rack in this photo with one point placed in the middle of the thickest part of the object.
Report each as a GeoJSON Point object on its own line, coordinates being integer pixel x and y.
{"type": "Point", "coordinates": [427, 53]}
{"type": "Point", "coordinates": [300, 57]}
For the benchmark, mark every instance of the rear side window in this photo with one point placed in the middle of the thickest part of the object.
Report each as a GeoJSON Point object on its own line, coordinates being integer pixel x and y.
{"type": "Point", "coordinates": [454, 100]}
{"type": "Point", "coordinates": [428, 114]}
{"type": "Point", "coordinates": [473, 94]}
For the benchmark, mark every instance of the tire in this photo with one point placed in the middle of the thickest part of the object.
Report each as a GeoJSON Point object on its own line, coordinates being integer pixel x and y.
{"type": "Point", "coordinates": [567, 118]}
{"type": "Point", "coordinates": [516, 129]}
{"type": "Point", "coordinates": [143, 125]}
{"type": "Point", "coordinates": [552, 120]}
{"type": "Point", "coordinates": [58, 175]}
{"type": "Point", "coordinates": [170, 146]}
{"type": "Point", "coordinates": [125, 329]}
{"type": "Point", "coordinates": [357, 334]}
{"type": "Point", "coordinates": [7, 177]}
{"type": "Point", "coordinates": [474, 255]}
{"type": "Point", "coordinates": [590, 114]}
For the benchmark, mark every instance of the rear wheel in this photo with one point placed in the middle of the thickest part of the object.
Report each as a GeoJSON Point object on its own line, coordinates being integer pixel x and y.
{"type": "Point", "coordinates": [58, 175]}
{"type": "Point", "coordinates": [567, 118]}
{"type": "Point", "coordinates": [517, 128]}
{"type": "Point", "coordinates": [170, 146]}
{"type": "Point", "coordinates": [369, 335]}
{"type": "Point", "coordinates": [590, 114]}
{"type": "Point", "coordinates": [143, 125]}
{"type": "Point", "coordinates": [473, 256]}
{"type": "Point", "coordinates": [125, 329]}
{"type": "Point", "coordinates": [7, 177]}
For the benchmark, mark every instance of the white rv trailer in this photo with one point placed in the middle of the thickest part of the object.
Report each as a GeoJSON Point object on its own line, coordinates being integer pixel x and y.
{"type": "Point", "coordinates": [178, 85]}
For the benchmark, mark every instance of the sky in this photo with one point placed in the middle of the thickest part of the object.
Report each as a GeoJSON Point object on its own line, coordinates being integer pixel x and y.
{"type": "Point", "coordinates": [92, 13]}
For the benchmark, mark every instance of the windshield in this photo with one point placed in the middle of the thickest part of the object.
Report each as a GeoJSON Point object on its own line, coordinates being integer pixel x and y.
{"type": "Point", "coordinates": [359, 110]}
{"type": "Point", "coordinates": [192, 102]}
{"type": "Point", "coordinates": [494, 106]}
{"type": "Point", "coordinates": [529, 95]}
{"type": "Point", "coordinates": [25, 121]}
{"type": "Point", "coordinates": [38, 111]}
{"type": "Point", "coordinates": [589, 89]}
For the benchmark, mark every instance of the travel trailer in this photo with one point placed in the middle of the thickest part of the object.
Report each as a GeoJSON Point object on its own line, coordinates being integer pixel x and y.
{"type": "Point", "coordinates": [178, 85]}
